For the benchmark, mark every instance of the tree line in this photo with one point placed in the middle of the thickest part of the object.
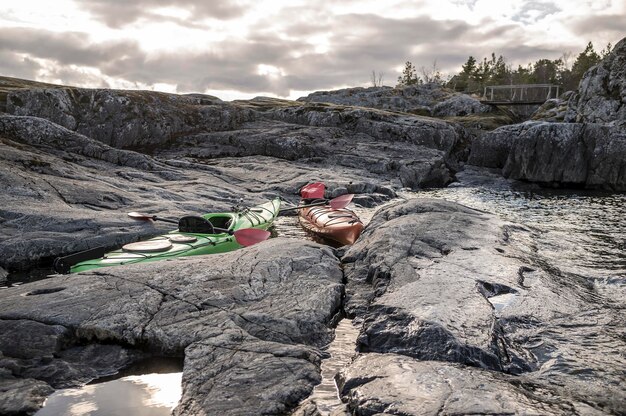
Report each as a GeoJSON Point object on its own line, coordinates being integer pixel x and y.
{"type": "Point", "coordinates": [475, 75]}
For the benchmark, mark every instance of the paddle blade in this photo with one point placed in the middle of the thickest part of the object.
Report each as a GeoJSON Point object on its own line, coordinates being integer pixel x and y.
{"type": "Point", "coordinates": [250, 236]}
{"type": "Point", "coordinates": [313, 191]}
{"type": "Point", "coordinates": [341, 201]}
{"type": "Point", "coordinates": [141, 217]}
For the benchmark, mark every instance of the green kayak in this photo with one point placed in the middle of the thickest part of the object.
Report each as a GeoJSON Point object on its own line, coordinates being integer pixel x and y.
{"type": "Point", "coordinates": [196, 235]}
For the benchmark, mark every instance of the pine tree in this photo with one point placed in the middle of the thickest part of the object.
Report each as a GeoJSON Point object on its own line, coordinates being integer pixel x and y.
{"type": "Point", "coordinates": [465, 81]}
{"type": "Point", "coordinates": [585, 60]}
{"type": "Point", "coordinates": [409, 75]}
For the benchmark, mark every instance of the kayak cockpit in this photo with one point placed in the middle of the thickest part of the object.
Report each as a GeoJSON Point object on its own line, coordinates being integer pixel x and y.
{"type": "Point", "coordinates": [221, 221]}
{"type": "Point", "coordinates": [208, 224]}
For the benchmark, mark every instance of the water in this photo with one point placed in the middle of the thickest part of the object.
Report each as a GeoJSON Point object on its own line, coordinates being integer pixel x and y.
{"type": "Point", "coordinates": [148, 388]}
{"type": "Point", "coordinates": [141, 395]}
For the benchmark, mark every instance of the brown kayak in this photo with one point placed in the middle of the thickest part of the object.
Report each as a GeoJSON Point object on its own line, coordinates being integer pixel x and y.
{"type": "Point", "coordinates": [341, 225]}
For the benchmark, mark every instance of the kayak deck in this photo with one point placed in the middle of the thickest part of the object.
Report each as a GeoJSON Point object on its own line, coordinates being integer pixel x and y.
{"type": "Point", "coordinates": [341, 225]}
{"type": "Point", "coordinates": [178, 244]}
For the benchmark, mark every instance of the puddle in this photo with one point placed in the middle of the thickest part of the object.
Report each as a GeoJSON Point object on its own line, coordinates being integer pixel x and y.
{"type": "Point", "coordinates": [152, 394]}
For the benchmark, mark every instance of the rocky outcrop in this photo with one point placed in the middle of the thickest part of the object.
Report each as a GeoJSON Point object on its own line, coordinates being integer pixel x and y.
{"type": "Point", "coordinates": [601, 95]}
{"type": "Point", "coordinates": [587, 150]}
{"type": "Point", "coordinates": [414, 166]}
{"type": "Point", "coordinates": [588, 155]}
{"type": "Point", "coordinates": [565, 154]}
{"type": "Point", "coordinates": [411, 387]}
{"type": "Point", "coordinates": [19, 396]}
{"type": "Point", "coordinates": [151, 122]}
{"type": "Point", "coordinates": [65, 192]}
{"type": "Point", "coordinates": [126, 119]}
{"type": "Point", "coordinates": [441, 289]}
{"type": "Point", "coordinates": [458, 106]}
{"type": "Point", "coordinates": [554, 109]}
{"type": "Point", "coordinates": [426, 99]}
{"type": "Point", "coordinates": [249, 324]}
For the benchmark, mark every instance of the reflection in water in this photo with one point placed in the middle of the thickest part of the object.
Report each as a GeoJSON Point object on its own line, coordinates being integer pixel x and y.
{"type": "Point", "coordinates": [144, 395]}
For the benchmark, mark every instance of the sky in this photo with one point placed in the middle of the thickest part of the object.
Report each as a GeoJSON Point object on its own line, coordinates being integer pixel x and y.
{"type": "Point", "coordinates": [239, 49]}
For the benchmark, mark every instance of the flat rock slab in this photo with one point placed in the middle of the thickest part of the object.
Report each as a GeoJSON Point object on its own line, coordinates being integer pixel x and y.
{"type": "Point", "coordinates": [437, 281]}
{"type": "Point", "coordinates": [249, 323]}
{"type": "Point", "coordinates": [398, 385]}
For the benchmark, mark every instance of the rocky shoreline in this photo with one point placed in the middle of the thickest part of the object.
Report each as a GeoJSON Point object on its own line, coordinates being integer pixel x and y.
{"type": "Point", "coordinates": [252, 325]}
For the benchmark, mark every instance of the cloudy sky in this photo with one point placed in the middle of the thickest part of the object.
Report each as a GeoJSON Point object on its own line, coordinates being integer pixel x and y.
{"type": "Point", "coordinates": [244, 48]}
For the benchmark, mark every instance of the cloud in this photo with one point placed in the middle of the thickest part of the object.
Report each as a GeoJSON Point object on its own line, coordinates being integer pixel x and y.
{"type": "Point", "coordinates": [288, 49]}
{"type": "Point", "coordinates": [590, 25]}
{"type": "Point", "coordinates": [534, 11]}
{"type": "Point", "coordinates": [16, 65]}
{"type": "Point", "coordinates": [118, 13]}
{"type": "Point", "coordinates": [65, 48]}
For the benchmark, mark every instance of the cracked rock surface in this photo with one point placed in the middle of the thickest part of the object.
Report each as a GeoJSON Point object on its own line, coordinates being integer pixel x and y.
{"type": "Point", "coordinates": [74, 161]}
{"type": "Point", "coordinates": [428, 280]}
{"type": "Point", "coordinates": [250, 325]}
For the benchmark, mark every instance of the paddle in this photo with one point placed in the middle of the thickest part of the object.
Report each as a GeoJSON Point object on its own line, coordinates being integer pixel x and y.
{"type": "Point", "coordinates": [335, 203]}
{"type": "Point", "coordinates": [246, 237]}
{"type": "Point", "coordinates": [250, 236]}
{"type": "Point", "coordinates": [146, 217]}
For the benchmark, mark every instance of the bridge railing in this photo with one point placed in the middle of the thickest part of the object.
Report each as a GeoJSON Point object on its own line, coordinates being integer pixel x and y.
{"type": "Point", "coordinates": [520, 94]}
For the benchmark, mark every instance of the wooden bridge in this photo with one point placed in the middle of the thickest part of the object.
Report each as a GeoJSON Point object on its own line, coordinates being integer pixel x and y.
{"type": "Point", "coordinates": [521, 94]}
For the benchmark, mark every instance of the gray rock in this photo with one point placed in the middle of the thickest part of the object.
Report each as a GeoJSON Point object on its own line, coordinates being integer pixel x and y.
{"type": "Point", "coordinates": [63, 192]}
{"type": "Point", "coordinates": [395, 384]}
{"type": "Point", "coordinates": [126, 119]}
{"type": "Point", "coordinates": [25, 339]}
{"type": "Point", "coordinates": [3, 276]}
{"type": "Point", "coordinates": [426, 99]}
{"type": "Point", "coordinates": [147, 120]}
{"type": "Point", "coordinates": [601, 95]}
{"type": "Point", "coordinates": [491, 149]}
{"type": "Point", "coordinates": [589, 155]}
{"type": "Point", "coordinates": [21, 396]}
{"type": "Point", "coordinates": [566, 154]}
{"type": "Point", "coordinates": [436, 281]}
{"type": "Point", "coordinates": [250, 324]}
{"type": "Point", "coordinates": [553, 110]}
{"type": "Point", "coordinates": [398, 260]}
{"type": "Point", "coordinates": [460, 105]}
{"type": "Point", "coordinates": [414, 165]}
